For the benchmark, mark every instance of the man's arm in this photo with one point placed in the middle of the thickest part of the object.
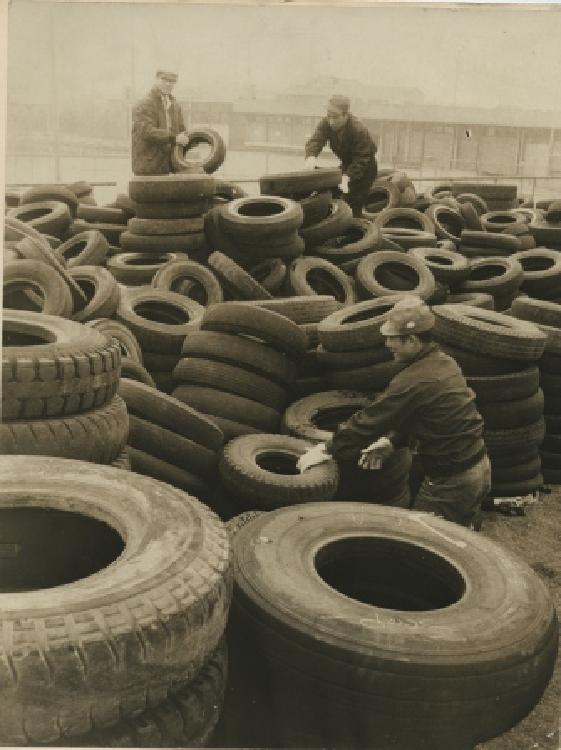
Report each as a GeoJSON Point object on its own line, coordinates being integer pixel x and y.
{"type": "Point", "coordinates": [145, 122]}
{"type": "Point", "coordinates": [318, 140]}
{"type": "Point", "coordinates": [362, 155]}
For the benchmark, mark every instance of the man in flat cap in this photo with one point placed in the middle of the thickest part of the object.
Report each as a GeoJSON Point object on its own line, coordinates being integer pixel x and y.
{"type": "Point", "coordinates": [428, 402]}
{"type": "Point", "coordinates": [350, 140]}
{"type": "Point", "coordinates": [157, 125]}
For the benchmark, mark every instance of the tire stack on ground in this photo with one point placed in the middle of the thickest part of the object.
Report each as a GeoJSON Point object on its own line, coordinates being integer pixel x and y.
{"type": "Point", "coordinates": [59, 386]}
{"type": "Point", "coordinates": [139, 269]}
{"type": "Point", "coordinates": [541, 273]}
{"type": "Point", "coordinates": [239, 368]}
{"type": "Point", "coordinates": [170, 441]}
{"type": "Point", "coordinates": [547, 316]}
{"type": "Point", "coordinates": [390, 189]}
{"type": "Point", "coordinates": [498, 356]}
{"type": "Point", "coordinates": [545, 226]}
{"type": "Point", "coordinates": [497, 197]}
{"type": "Point", "coordinates": [159, 320]}
{"type": "Point", "coordinates": [111, 222]}
{"type": "Point", "coordinates": [500, 277]}
{"type": "Point", "coordinates": [117, 608]}
{"type": "Point", "coordinates": [317, 416]}
{"type": "Point", "coordinates": [131, 353]}
{"type": "Point", "coordinates": [51, 217]}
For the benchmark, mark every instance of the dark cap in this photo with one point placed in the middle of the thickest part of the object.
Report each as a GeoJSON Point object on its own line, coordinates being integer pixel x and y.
{"type": "Point", "coordinates": [340, 102]}
{"type": "Point", "coordinates": [172, 77]}
{"type": "Point", "coordinates": [408, 316]}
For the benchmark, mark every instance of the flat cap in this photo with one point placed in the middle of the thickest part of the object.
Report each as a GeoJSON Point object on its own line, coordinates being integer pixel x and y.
{"type": "Point", "coordinates": [407, 316]}
{"type": "Point", "coordinates": [167, 74]}
{"type": "Point", "coordinates": [339, 101]}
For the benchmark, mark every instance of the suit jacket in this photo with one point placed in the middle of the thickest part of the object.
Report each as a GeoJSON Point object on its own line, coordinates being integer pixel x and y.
{"type": "Point", "coordinates": [353, 144]}
{"type": "Point", "coordinates": [152, 142]}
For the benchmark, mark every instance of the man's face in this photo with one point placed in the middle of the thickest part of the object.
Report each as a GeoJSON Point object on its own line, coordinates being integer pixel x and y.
{"type": "Point", "coordinates": [403, 348]}
{"type": "Point", "coordinates": [165, 84]}
{"type": "Point", "coordinates": [336, 118]}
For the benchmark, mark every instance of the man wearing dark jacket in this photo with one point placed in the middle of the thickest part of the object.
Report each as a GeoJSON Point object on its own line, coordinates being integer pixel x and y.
{"type": "Point", "coordinates": [349, 140]}
{"type": "Point", "coordinates": [157, 125]}
{"type": "Point", "coordinates": [428, 402]}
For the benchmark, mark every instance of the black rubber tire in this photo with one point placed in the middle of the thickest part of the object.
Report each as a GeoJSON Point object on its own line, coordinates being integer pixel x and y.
{"type": "Point", "coordinates": [232, 429]}
{"type": "Point", "coordinates": [304, 182]}
{"type": "Point", "coordinates": [158, 361]}
{"type": "Point", "coordinates": [143, 632]}
{"type": "Point", "coordinates": [448, 267]}
{"type": "Point", "coordinates": [203, 286]}
{"type": "Point", "coordinates": [168, 412]}
{"type": "Point", "coordinates": [57, 193]}
{"type": "Point", "coordinates": [101, 214]}
{"type": "Point", "coordinates": [231, 379]}
{"type": "Point", "coordinates": [496, 221]}
{"type": "Point", "coordinates": [507, 414]}
{"type": "Point", "coordinates": [371, 284]}
{"type": "Point", "coordinates": [122, 201]}
{"type": "Point", "coordinates": [517, 472]}
{"type": "Point", "coordinates": [84, 249]}
{"type": "Point", "coordinates": [382, 196]}
{"type": "Point", "coordinates": [240, 467]}
{"type": "Point", "coordinates": [150, 466]}
{"type": "Point", "coordinates": [483, 239]}
{"type": "Point", "coordinates": [315, 276]}
{"type": "Point", "coordinates": [268, 326]}
{"type": "Point", "coordinates": [512, 440]}
{"type": "Point", "coordinates": [516, 458]}
{"type": "Point", "coordinates": [405, 239]}
{"type": "Point", "coordinates": [170, 446]}
{"type": "Point", "coordinates": [186, 718]}
{"type": "Point", "coordinates": [396, 694]}
{"type": "Point", "coordinates": [212, 402]}
{"type": "Point", "coordinates": [227, 190]}
{"type": "Point", "coordinates": [551, 383]}
{"type": "Point", "coordinates": [335, 224]}
{"type": "Point", "coordinates": [166, 336]}
{"type": "Point", "coordinates": [360, 238]}
{"type": "Point", "coordinates": [552, 476]}
{"type": "Point", "coordinates": [97, 435]}
{"type": "Point", "coordinates": [479, 299]}
{"type": "Point", "coordinates": [505, 388]}
{"type": "Point", "coordinates": [80, 188]}
{"type": "Point", "coordinates": [404, 218]}
{"type": "Point", "coordinates": [243, 352]}
{"type": "Point", "coordinates": [51, 292]}
{"type": "Point", "coordinates": [123, 337]}
{"type": "Point", "coordinates": [357, 326]}
{"type": "Point", "coordinates": [301, 310]}
{"type": "Point", "coordinates": [316, 207]}
{"type": "Point", "coordinates": [47, 217]}
{"type": "Point", "coordinates": [211, 162]}
{"type": "Point", "coordinates": [111, 232]}
{"type": "Point", "coordinates": [139, 269]}
{"type": "Point", "coordinates": [171, 210]}
{"type": "Point", "coordinates": [122, 461]}
{"type": "Point", "coordinates": [238, 522]}
{"type": "Point", "coordinates": [151, 227]}
{"type": "Point", "coordinates": [238, 282]}
{"type": "Point", "coordinates": [102, 291]}
{"type": "Point", "coordinates": [488, 332]}
{"type": "Point", "coordinates": [471, 217]}
{"type": "Point", "coordinates": [448, 223]}
{"type": "Point", "coordinates": [160, 243]}
{"type": "Point", "coordinates": [517, 488]}
{"type": "Point", "coordinates": [306, 417]}
{"type": "Point", "coordinates": [52, 367]}
{"type": "Point", "coordinates": [346, 360]}
{"type": "Point", "coordinates": [493, 192]}
{"type": "Point", "coordinates": [550, 363]}
{"type": "Point", "coordinates": [270, 273]}
{"type": "Point", "coordinates": [548, 235]}
{"type": "Point", "coordinates": [172, 188]}
{"type": "Point", "coordinates": [133, 370]}
{"type": "Point", "coordinates": [500, 277]}
{"type": "Point", "coordinates": [476, 201]}
{"type": "Point", "coordinates": [475, 364]}
{"type": "Point", "coordinates": [260, 219]}
{"type": "Point", "coordinates": [366, 379]}
{"type": "Point", "coordinates": [542, 269]}
{"type": "Point", "coordinates": [288, 247]}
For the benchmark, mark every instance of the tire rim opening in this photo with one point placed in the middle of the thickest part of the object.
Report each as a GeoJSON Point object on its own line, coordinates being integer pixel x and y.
{"type": "Point", "coordinates": [439, 260]}
{"type": "Point", "coordinates": [367, 314]}
{"type": "Point", "coordinates": [260, 208]}
{"type": "Point", "coordinates": [42, 548]}
{"type": "Point", "coordinates": [389, 574]}
{"type": "Point", "coordinates": [404, 222]}
{"type": "Point", "coordinates": [397, 276]}
{"type": "Point", "coordinates": [197, 152]}
{"type": "Point", "coordinates": [162, 312]}
{"type": "Point", "coordinates": [450, 224]}
{"type": "Point", "coordinates": [11, 337]}
{"type": "Point", "coordinates": [190, 288]}
{"type": "Point", "coordinates": [488, 271]}
{"type": "Point", "coordinates": [330, 418]}
{"type": "Point", "coordinates": [537, 264]}
{"type": "Point", "coordinates": [148, 261]}
{"type": "Point", "coordinates": [24, 296]}
{"type": "Point", "coordinates": [88, 287]}
{"type": "Point", "coordinates": [75, 249]}
{"type": "Point", "coordinates": [34, 213]}
{"type": "Point", "coordinates": [322, 282]}
{"type": "Point", "coordinates": [278, 463]}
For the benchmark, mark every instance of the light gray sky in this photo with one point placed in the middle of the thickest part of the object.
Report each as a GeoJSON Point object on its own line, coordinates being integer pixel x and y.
{"type": "Point", "coordinates": [471, 55]}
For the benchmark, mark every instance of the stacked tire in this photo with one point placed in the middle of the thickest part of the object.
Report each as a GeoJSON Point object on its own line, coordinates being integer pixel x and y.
{"type": "Point", "coordinates": [111, 222]}
{"type": "Point", "coordinates": [240, 367]}
{"type": "Point", "coordinates": [497, 197]}
{"type": "Point", "coordinates": [498, 356]}
{"type": "Point", "coordinates": [390, 189]}
{"type": "Point", "coordinates": [130, 650]}
{"type": "Point", "coordinates": [541, 273]}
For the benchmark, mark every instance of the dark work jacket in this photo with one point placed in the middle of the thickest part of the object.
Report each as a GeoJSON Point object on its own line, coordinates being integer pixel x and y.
{"type": "Point", "coordinates": [428, 401]}
{"type": "Point", "coordinates": [352, 144]}
{"type": "Point", "coordinates": [152, 142]}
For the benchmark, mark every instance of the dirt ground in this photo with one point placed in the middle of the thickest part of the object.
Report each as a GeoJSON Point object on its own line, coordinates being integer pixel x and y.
{"type": "Point", "coordinates": [536, 537]}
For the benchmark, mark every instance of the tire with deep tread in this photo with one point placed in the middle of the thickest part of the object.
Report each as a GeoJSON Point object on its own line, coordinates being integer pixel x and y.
{"type": "Point", "coordinates": [83, 249]}
{"type": "Point", "coordinates": [301, 418]}
{"type": "Point", "coordinates": [202, 282]}
{"type": "Point", "coordinates": [212, 402]}
{"type": "Point", "coordinates": [509, 387]}
{"type": "Point", "coordinates": [122, 335]}
{"type": "Point", "coordinates": [371, 284]}
{"type": "Point", "coordinates": [311, 276]}
{"type": "Point", "coordinates": [239, 282]}
{"type": "Point", "coordinates": [102, 291]}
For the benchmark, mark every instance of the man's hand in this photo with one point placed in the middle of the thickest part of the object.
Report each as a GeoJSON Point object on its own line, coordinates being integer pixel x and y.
{"type": "Point", "coordinates": [344, 184]}
{"type": "Point", "coordinates": [374, 455]}
{"type": "Point", "coordinates": [310, 162]}
{"type": "Point", "coordinates": [182, 139]}
{"type": "Point", "coordinates": [312, 457]}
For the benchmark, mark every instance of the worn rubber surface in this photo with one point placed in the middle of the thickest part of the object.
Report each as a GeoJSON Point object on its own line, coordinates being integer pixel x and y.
{"type": "Point", "coordinates": [484, 239]}
{"type": "Point", "coordinates": [47, 217]}
{"type": "Point", "coordinates": [505, 414]}
{"type": "Point", "coordinates": [86, 655]}
{"type": "Point", "coordinates": [511, 440]}
{"type": "Point", "coordinates": [475, 299]}
{"type": "Point", "coordinates": [163, 243]}
{"type": "Point", "coordinates": [311, 417]}
{"type": "Point", "coordinates": [446, 266]}
{"type": "Point", "coordinates": [261, 218]}
{"type": "Point", "coordinates": [240, 283]}
{"type": "Point", "coordinates": [87, 248]}
{"type": "Point", "coordinates": [335, 224]}
{"type": "Point", "coordinates": [537, 311]}
{"type": "Point", "coordinates": [133, 370]}
{"type": "Point", "coordinates": [150, 466]}
{"type": "Point", "coordinates": [51, 292]}
{"type": "Point", "coordinates": [367, 379]}
{"type": "Point", "coordinates": [137, 269]}
{"type": "Point", "coordinates": [101, 289]}
{"type": "Point", "coordinates": [165, 226]}
{"type": "Point", "coordinates": [316, 276]}
{"type": "Point", "coordinates": [404, 218]}
{"type": "Point", "coordinates": [303, 182]}
{"type": "Point", "coordinates": [389, 272]}
{"type": "Point", "coordinates": [52, 366]}
{"type": "Point", "coordinates": [270, 273]}
{"type": "Point", "coordinates": [316, 207]}
{"type": "Point", "coordinates": [408, 678]}
{"type": "Point", "coordinates": [211, 162]}
{"type": "Point", "coordinates": [360, 238]}
{"type": "Point", "coordinates": [509, 387]}
{"type": "Point", "coordinates": [302, 310]}
{"type": "Point", "coordinates": [202, 285]}
{"type": "Point", "coordinates": [98, 435]}
{"type": "Point", "coordinates": [172, 210]}
{"type": "Point", "coordinates": [500, 277]}
{"type": "Point", "coordinates": [172, 188]}
{"type": "Point", "coordinates": [124, 338]}
{"type": "Point", "coordinates": [345, 360]}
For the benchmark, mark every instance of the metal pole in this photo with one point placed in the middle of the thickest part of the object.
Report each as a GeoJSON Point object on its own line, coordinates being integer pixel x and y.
{"type": "Point", "coordinates": [54, 95]}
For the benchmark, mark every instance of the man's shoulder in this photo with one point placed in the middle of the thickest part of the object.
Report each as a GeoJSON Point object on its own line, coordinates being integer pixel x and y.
{"type": "Point", "coordinates": [357, 126]}
{"type": "Point", "coordinates": [431, 368]}
{"type": "Point", "coordinates": [149, 99]}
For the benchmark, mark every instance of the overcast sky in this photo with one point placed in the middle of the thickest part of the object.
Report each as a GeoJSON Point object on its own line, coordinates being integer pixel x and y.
{"type": "Point", "coordinates": [475, 56]}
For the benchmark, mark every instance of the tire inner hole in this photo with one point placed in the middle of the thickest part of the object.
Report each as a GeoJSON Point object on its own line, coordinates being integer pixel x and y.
{"type": "Point", "coordinates": [42, 548]}
{"type": "Point", "coordinates": [261, 208]}
{"type": "Point", "coordinates": [439, 260]}
{"type": "Point", "coordinates": [162, 312]}
{"type": "Point", "coordinates": [22, 338]}
{"type": "Point", "coordinates": [88, 287]}
{"type": "Point", "coordinates": [278, 463]}
{"type": "Point", "coordinates": [147, 261]}
{"type": "Point", "coordinates": [190, 288]}
{"type": "Point", "coordinates": [323, 282]}
{"type": "Point", "coordinates": [34, 213]}
{"type": "Point", "coordinates": [330, 418]}
{"type": "Point", "coordinates": [404, 222]}
{"type": "Point", "coordinates": [396, 276]}
{"type": "Point", "coordinates": [197, 151]}
{"type": "Point", "coordinates": [450, 223]}
{"type": "Point", "coordinates": [536, 264]}
{"type": "Point", "coordinates": [24, 295]}
{"type": "Point", "coordinates": [390, 574]}
{"type": "Point", "coordinates": [73, 250]}
{"type": "Point", "coordinates": [488, 271]}
{"type": "Point", "coordinates": [367, 314]}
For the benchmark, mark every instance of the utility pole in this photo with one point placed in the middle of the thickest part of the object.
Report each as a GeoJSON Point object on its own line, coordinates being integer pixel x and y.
{"type": "Point", "coordinates": [55, 121]}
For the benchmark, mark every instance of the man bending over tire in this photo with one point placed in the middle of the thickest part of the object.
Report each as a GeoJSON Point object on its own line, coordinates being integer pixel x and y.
{"type": "Point", "coordinates": [350, 140]}
{"type": "Point", "coordinates": [157, 125]}
{"type": "Point", "coordinates": [430, 402]}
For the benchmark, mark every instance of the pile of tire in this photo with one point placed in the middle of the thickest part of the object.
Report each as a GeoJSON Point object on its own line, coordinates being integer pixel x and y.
{"type": "Point", "coordinates": [169, 211]}
{"type": "Point", "coordinates": [545, 225]}
{"type": "Point", "coordinates": [317, 416]}
{"type": "Point", "coordinates": [388, 272]}
{"type": "Point", "coordinates": [110, 221]}
{"type": "Point", "coordinates": [294, 567]}
{"type": "Point", "coordinates": [541, 269]}
{"type": "Point", "coordinates": [59, 390]}
{"type": "Point", "coordinates": [547, 316]}
{"type": "Point", "coordinates": [239, 368]}
{"type": "Point", "coordinates": [499, 357]}
{"type": "Point", "coordinates": [390, 189]}
{"type": "Point", "coordinates": [403, 228]}
{"type": "Point", "coordinates": [501, 277]}
{"type": "Point", "coordinates": [116, 602]}
{"type": "Point", "coordinates": [497, 196]}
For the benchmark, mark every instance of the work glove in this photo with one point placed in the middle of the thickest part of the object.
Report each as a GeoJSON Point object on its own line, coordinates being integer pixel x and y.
{"type": "Point", "coordinates": [344, 184]}
{"type": "Point", "coordinates": [312, 457]}
{"type": "Point", "coordinates": [374, 455]}
{"type": "Point", "coordinates": [182, 139]}
{"type": "Point", "coordinates": [310, 162]}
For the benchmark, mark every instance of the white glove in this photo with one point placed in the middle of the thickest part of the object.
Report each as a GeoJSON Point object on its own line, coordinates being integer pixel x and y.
{"type": "Point", "coordinates": [374, 455]}
{"type": "Point", "coordinates": [312, 457]}
{"type": "Point", "coordinates": [182, 138]}
{"type": "Point", "coordinates": [310, 162]}
{"type": "Point", "coordinates": [344, 184]}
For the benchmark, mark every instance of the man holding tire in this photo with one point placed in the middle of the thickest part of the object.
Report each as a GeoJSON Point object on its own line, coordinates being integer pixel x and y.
{"type": "Point", "coordinates": [349, 140]}
{"type": "Point", "coordinates": [157, 125]}
{"type": "Point", "coordinates": [428, 402]}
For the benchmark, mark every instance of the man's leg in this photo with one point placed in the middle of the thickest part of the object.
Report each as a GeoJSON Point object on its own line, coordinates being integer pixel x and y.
{"type": "Point", "coordinates": [357, 195]}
